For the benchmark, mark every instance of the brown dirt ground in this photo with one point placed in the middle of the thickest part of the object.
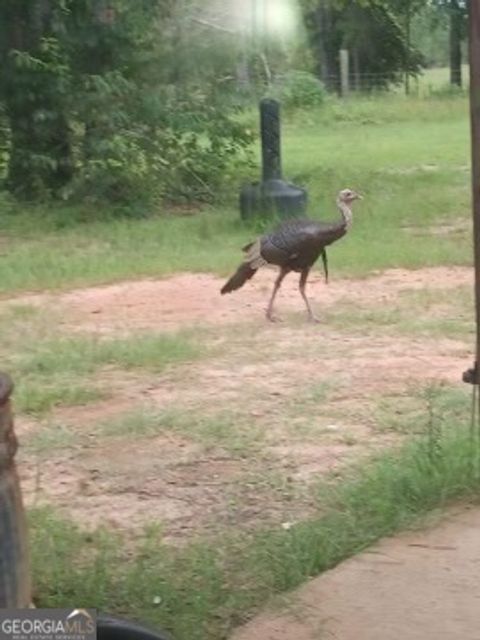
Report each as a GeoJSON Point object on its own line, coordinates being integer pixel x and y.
{"type": "Point", "coordinates": [298, 400]}
{"type": "Point", "coordinates": [188, 299]}
{"type": "Point", "coordinates": [416, 586]}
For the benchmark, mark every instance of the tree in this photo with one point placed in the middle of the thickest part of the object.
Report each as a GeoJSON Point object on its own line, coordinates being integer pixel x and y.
{"type": "Point", "coordinates": [457, 12]}
{"type": "Point", "coordinates": [33, 87]}
{"type": "Point", "coordinates": [407, 9]}
{"type": "Point", "coordinates": [322, 21]}
{"type": "Point", "coordinates": [457, 15]}
{"type": "Point", "coordinates": [430, 33]}
{"type": "Point", "coordinates": [100, 102]}
{"type": "Point", "coordinates": [373, 34]}
{"type": "Point", "coordinates": [50, 50]}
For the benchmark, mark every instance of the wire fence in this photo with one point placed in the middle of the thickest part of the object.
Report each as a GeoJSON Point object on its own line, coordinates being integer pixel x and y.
{"type": "Point", "coordinates": [300, 88]}
{"type": "Point", "coordinates": [428, 82]}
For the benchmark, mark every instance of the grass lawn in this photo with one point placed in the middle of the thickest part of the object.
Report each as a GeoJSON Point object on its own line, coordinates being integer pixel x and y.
{"type": "Point", "coordinates": [409, 157]}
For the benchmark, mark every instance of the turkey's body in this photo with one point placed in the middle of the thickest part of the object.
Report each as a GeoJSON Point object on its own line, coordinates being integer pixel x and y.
{"type": "Point", "coordinates": [297, 244]}
{"type": "Point", "coordinates": [294, 246]}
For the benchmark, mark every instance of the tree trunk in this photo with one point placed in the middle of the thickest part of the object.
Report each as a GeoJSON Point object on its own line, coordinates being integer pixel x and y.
{"type": "Point", "coordinates": [455, 44]}
{"type": "Point", "coordinates": [327, 45]}
{"type": "Point", "coordinates": [408, 22]}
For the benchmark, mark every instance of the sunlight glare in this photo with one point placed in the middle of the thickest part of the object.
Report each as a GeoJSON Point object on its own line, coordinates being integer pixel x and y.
{"type": "Point", "coordinates": [279, 18]}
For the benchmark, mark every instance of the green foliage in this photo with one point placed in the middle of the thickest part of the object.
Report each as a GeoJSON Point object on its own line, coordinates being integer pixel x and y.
{"type": "Point", "coordinates": [299, 89]}
{"type": "Point", "coordinates": [35, 87]}
{"type": "Point", "coordinates": [430, 35]}
{"type": "Point", "coordinates": [89, 117]}
{"type": "Point", "coordinates": [380, 47]}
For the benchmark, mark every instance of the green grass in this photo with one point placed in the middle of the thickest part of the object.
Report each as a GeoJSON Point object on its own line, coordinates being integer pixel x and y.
{"type": "Point", "coordinates": [438, 79]}
{"type": "Point", "coordinates": [52, 368]}
{"type": "Point", "coordinates": [429, 313]}
{"type": "Point", "coordinates": [205, 589]}
{"type": "Point", "coordinates": [48, 438]}
{"type": "Point", "coordinates": [40, 397]}
{"type": "Point", "coordinates": [140, 421]}
{"type": "Point", "coordinates": [229, 431]}
{"type": "Point", "coordinates": [409, 157]}
{"type": "Point", "coordinates": [415, 410]}
{"type": "Point", "coordinates": [226, 430]}
{"type": "Point", "coordinates": [85, 355]}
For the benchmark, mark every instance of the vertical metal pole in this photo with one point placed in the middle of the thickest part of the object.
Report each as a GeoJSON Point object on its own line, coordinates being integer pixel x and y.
{"type": "Point", "coordinates": [474, 55]}
{"type": "Point", "coordinates": [270, 134]}
{"type": "Point", "coordinates": [344, 72]}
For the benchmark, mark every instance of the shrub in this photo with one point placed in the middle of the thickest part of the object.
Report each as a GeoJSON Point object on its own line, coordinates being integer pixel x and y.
{"type": "Point", "coordinates": [297, 89]}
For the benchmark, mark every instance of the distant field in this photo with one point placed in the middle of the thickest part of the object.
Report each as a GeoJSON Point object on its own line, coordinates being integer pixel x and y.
{"type": "Point", "coordinates": [408, 156]}
{"type": "Point", "coordinates": [440, 77]}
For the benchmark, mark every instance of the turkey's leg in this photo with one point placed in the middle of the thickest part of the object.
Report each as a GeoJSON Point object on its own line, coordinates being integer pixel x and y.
{"type": "Point", "coordinates": [276, 287]}
{"type": "Point", "coordinates": [302, 283]}
{"type": "Point", "coordinates": [325, 264]}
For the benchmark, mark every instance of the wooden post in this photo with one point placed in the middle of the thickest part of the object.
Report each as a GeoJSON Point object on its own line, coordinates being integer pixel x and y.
{"type": "Point", "coordinates": [474, 54]}
{"type": "Point", "coordinates": [14, 563]}
{"type": "Point", "coordinates": [344, 73]}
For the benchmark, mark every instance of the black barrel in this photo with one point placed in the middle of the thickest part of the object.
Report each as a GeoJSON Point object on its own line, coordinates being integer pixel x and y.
{"type": "Point", "coordinates": [272, 195]}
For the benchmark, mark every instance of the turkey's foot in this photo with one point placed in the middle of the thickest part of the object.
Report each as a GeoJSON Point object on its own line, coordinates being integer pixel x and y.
{"type": "Point", "coordinates": [271, 317]}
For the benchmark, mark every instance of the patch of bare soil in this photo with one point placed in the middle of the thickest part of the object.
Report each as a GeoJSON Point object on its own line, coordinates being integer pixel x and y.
{"type": "Point", "coordinates": [451, 230]}
{"type": "Point", "coordinates": [417, 586]}
{"type": "Point", "coordinates": [298, 394]}
{"type": "Point", "coordinates": [165, 480]}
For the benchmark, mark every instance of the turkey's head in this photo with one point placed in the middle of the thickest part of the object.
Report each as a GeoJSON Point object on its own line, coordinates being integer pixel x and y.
{"type": "Point", "coordinates": [348, 196]}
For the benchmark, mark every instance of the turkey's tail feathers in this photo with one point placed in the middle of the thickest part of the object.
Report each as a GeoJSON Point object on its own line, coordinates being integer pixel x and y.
{"type": "Point", "coordinates": [241, 275]}
{"type": "Point", "coordinates": [247, 269]}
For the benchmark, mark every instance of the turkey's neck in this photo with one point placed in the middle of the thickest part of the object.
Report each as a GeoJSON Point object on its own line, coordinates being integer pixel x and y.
{"type": "Point", "coordinates": [346, 212]}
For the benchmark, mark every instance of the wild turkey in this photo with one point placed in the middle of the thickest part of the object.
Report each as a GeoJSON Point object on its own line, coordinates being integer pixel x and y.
{"type": "Point", "coordinates": [294, 246]}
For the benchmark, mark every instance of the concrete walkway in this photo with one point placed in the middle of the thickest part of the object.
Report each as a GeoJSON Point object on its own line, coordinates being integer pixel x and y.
{"type": "Point", "coordinates": [417, 586]}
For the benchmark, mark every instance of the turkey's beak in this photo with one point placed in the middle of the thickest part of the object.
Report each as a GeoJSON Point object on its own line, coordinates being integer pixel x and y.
{"type": "Point", "coordinates": [358, 196]}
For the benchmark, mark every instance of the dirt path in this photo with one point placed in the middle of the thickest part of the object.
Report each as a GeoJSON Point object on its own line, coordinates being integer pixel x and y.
{"type": "Point", "coordinates": [240, 437]}
{"type": "Point", "coordinates": [188, 299]}
{"type": "Point", "coordinates": [417, 586]}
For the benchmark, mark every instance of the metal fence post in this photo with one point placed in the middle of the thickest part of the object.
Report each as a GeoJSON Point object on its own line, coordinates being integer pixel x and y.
{"type": "Point", "coordinates": [344, 73]}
